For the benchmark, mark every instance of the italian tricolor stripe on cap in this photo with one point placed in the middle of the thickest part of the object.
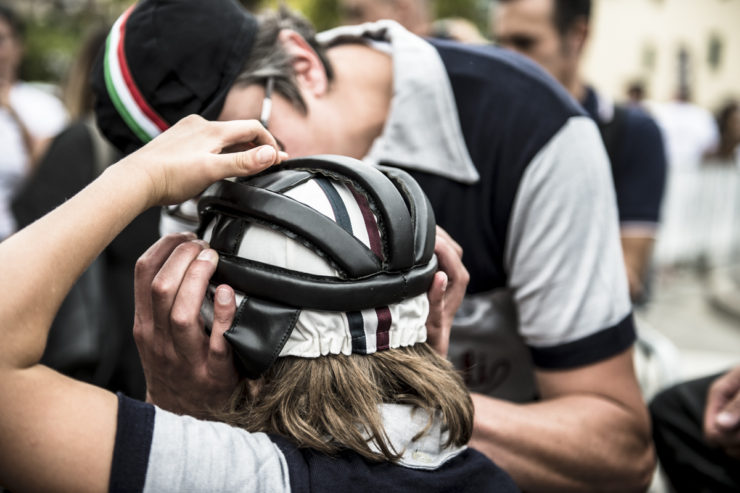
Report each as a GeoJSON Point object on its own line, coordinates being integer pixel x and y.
{"type": "Point", "coordinates": [143, 121]}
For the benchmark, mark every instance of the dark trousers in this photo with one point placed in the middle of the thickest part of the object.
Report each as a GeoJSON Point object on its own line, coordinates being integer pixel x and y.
{"type": "Point", "coordinates": [689, 462]}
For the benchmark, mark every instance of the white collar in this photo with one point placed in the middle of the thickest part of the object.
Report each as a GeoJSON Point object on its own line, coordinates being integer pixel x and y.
{"type": "Point", "coordinates": [402, 422]}
{"type": "Point", "coordinates": [423, 130]}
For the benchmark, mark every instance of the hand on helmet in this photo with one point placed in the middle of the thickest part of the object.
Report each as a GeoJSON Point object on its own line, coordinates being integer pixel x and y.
{"type": "Point", "coordinates": [447, 291]}
{"type": "Point", "coordinates": [187, 372]}
{"type": "Point", "coordinates": [184, 160]}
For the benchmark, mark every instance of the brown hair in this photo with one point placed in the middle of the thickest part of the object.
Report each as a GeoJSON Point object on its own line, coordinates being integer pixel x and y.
{"type": "Point", "coordinates": [332, 403]}
{"type": "Point", "coordinates": [269, 59]}
{"type": "Point", "coordinates": [78, 94]}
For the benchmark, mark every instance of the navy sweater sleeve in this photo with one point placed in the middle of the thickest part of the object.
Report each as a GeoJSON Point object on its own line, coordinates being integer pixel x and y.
{"type": "Point", "coordinates": [639, 177]}
{"type": "Point", "coordinates": [135, 427]}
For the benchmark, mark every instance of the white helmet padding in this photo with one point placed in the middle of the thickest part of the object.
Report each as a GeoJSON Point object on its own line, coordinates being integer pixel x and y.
{"type": "Point", "coordinates": [288, 241]}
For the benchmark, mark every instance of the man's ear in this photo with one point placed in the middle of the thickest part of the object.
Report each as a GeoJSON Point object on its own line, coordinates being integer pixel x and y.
{"type": "Point", "coordinates": [310, 72]}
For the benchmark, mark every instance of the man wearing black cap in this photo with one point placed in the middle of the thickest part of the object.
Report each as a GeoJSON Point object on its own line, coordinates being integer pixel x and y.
{"type": "Point", "coordinates": [515, 171]}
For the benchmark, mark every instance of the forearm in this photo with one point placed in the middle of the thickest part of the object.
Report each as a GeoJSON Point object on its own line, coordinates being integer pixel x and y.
{"type": "Point", "coordinates": [637, 250]}
{"type": "Point", "coordinates": [570, 443]}
{"type": "Point", "coordinates": [42, 261]}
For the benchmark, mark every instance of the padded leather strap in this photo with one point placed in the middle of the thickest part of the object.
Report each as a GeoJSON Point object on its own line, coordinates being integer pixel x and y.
{"type": "Point", "coordinates": [352, 257]}
{"type": "Point", "coordinates": [322, 293]}
{"type": "Point", "coordinates": [258, 334]}
{"type": "Point", "coordinates": [422, 215]}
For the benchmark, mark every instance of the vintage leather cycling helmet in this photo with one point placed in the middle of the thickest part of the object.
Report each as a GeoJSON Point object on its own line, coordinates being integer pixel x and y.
{"type": "Point", "coordinates": [327, 255]}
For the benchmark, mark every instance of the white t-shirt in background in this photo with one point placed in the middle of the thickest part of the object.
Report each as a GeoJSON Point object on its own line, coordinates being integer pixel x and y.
{"type": "Point", "coordinates": [43, 116]}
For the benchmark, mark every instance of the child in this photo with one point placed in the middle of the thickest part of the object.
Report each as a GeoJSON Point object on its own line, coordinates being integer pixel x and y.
{"type": "Point", "coordinates": [397, 418]}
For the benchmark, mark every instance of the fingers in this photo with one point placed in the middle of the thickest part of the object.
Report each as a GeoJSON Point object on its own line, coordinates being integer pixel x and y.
{"type": "Point", "coordinates": [186, 327]}
{"type": "Point", "coordinates": [441, 233]}
{"type": "Point", "coordinates": [167, 281]}
{"type": "Point", "coordinates": [438, 331]}
{"type": "Point", "coordinates": [224, 309]}
{"type": "Point", "coordinates": [239, 132]}
{"type": "Point", "coordinates": [722, 412]}
{"type": "Point", "coordinates": [449, 257]}
{"type": "Point", "coordinates": [259, 147]}
{"type": "Point", "coordinates": [185, 159]}
{"type": "Point", "coordinates": [147, 267]}
{"type": "Point", "coordinates": [447, 291]}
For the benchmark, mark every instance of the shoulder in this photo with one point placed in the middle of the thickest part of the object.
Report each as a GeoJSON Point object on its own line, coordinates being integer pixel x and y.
{"type": "Point", "coordinates": [508, 107]}
{"type": "Point", "coordinates": [639, 124]}
{"type": "Point", "coordinates": [32, 94]}
{"type": "Point", "coordinates": [159, 451]}
{"type": "Point", "coordinates": [509, 79]}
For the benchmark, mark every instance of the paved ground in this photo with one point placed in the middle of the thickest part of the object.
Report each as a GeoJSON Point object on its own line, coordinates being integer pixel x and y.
{"type": "Point", "coordinates": [700, 314]}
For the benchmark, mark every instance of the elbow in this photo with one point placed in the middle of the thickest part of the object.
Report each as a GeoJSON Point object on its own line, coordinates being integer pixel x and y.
{"type": "Point", "coordinates": [638, 475]}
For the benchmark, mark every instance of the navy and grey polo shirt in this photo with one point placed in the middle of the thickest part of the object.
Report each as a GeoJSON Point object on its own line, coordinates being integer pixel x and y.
{"type": "Point", "coordinates": [638, 161]}
{"type": "Point", "coordinates": [157, 451]}
{"type": "Point", "coordinates": [518, 175]}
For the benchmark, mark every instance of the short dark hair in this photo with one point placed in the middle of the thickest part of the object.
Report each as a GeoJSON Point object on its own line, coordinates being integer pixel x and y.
{"type": "Point", "coordinates": [16, 23]}
{"type": "Point", "coordinates": [567, 12]}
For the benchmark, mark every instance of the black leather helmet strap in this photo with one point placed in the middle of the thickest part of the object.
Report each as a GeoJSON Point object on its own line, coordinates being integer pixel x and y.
{"type": "Point", "coordinates": [258, 334]}
{"type": "Point", "coordinates": [295, 219]}
{"type": "Point", "coordinates": [322, 293]}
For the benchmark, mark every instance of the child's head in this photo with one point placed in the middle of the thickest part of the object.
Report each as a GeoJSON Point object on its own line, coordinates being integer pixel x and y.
{"type": "Point", "coordinates": [331, 261]}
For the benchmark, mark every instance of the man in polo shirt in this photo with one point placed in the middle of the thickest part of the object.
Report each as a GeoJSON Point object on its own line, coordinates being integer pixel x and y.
{"type": "Point", "coordinates": [515, 171]}
{"type": "Point", "coordinates": [553, 33]}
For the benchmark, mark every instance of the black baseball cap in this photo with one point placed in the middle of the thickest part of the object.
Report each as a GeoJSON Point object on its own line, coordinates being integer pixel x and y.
{"type": "Point", "coordinates": [166, 59]}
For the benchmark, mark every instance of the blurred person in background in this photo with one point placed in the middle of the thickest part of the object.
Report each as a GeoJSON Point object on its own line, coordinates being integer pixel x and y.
{"type": "Point", "coordinates": [554, 34]}
{"type": "Point", "coordinates": [636, 93]}
{"type": "Point", "coordinates": [690, 131]}
{"type": "Point", "coordinates": [414, 15]}
{"type": "Point", "coordinates": [29, 118]}
{"type": "Point", "coordinates": [90, 338]}
{"type": "Point", "coordinates": [728, 122]}
{"type": "Point", "coordinates": [691, 138]}
{"type": "Point", "coordinates": [547, 318]}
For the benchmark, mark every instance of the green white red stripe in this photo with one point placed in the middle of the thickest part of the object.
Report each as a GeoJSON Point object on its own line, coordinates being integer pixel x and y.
{"type": "Point", "coordinates": [143, 121]}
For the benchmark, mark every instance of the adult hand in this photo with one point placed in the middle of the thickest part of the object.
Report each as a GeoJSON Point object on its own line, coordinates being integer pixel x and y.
{"type": "Point", "coordinates": [185, 159]}
{"type": "Point", "coordinates": [447, 291]}
{"type": "Point", "coordinates": [722, 413]}
{"type": "Point", "coordinates": [187, 372]}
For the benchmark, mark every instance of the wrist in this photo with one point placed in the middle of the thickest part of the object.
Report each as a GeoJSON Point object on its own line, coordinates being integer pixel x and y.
{"type": "Point", "coordinates": [131, 176]}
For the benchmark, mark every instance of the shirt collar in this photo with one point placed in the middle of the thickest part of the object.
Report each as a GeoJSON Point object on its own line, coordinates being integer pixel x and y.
{"type": "Point", "coordinates": [422, 94]}
{"type": "Point", "coordinates": [402, 422]}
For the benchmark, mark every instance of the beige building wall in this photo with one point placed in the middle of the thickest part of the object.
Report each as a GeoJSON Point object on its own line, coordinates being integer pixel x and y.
{"type": "Point", "coordinates": [641, 39]}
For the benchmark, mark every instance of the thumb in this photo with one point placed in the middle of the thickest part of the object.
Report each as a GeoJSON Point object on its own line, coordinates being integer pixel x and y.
{"type": "Point", "coordinates": [249, 161]}
{"type": "Point", "coordinates": [224, 309]}
{"type": "Point", "coordinates": [729, 416]}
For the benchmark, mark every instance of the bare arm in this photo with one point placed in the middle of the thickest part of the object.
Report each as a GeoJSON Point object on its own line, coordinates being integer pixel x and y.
{"type": "Point", "coordinates": [590, 431]}
{"type": "Point", "coordinates": [57, 434]}
{"type": "Point", "coordinates": [637, 250]}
